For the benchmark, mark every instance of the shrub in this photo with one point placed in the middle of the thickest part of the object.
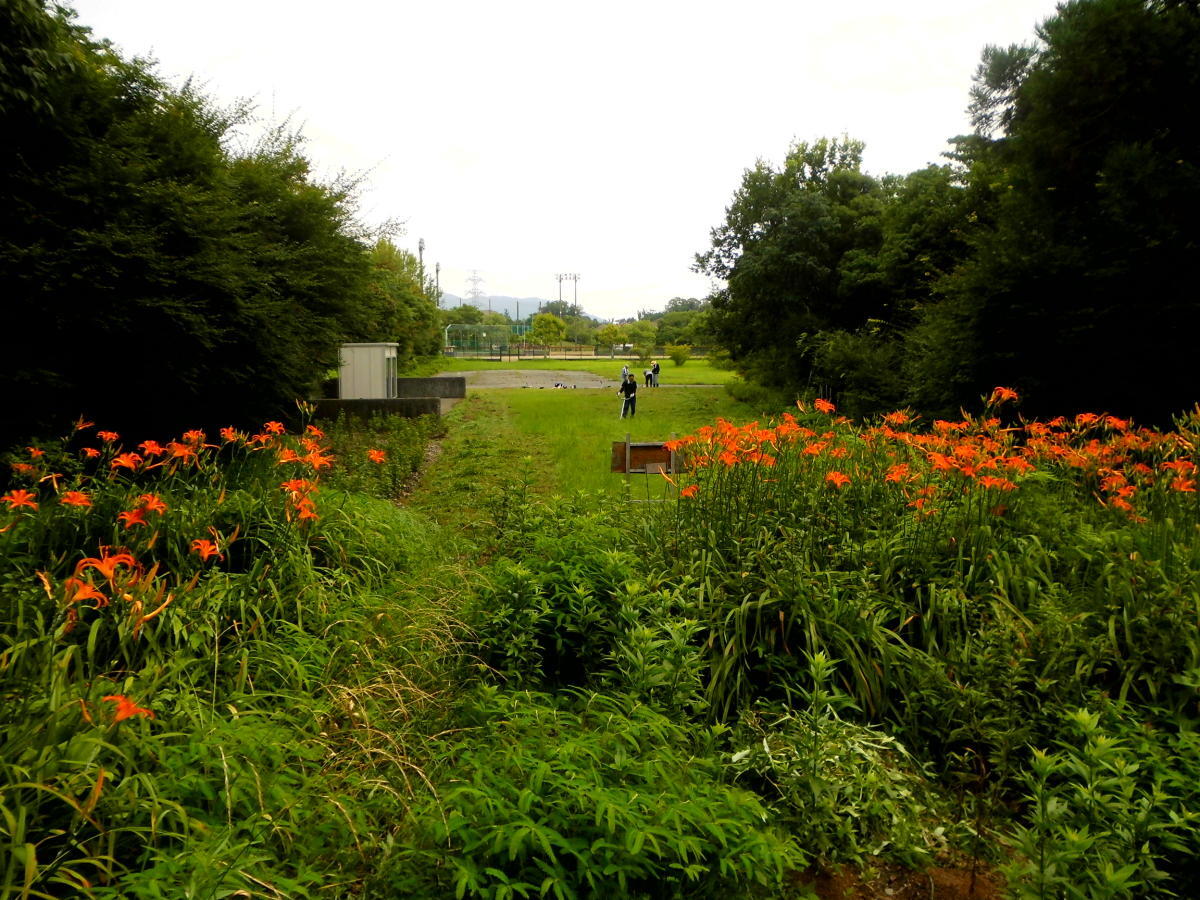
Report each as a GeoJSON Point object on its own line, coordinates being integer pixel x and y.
{"type": "Point", "coordinates": [678, 353]}
{"type": "Point", "coordinates": [844, 790]}
{"type": "Point", "coordinates": [596, 795]}
{"type": "Point", "coordinates": [1107, 813]}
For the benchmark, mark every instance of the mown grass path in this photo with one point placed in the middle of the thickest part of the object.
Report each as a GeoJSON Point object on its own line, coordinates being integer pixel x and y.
{"type": "Point", "coordinates": [559, 440]}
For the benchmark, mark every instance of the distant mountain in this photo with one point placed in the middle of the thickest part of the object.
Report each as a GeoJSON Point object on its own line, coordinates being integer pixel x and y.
{"type": "Point", "coordinates": [504, 305]}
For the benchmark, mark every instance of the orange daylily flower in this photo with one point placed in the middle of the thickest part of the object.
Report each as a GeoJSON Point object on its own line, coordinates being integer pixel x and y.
{"type": "Point", "coordinates": [90, 452]}
{"type": "Point", "coordinates": [81, 423]}
{"type": "Point", "coordinates": [690, 491]}
{"type": "Point", "coordinates": [75, 498]}
{"type": "Point", "coordinates": [106, 564]}
{"type": "Point", "coordinates": [838, 479]}
{"type": "Point", "coordinates": [897, 472]}
{"type": "Point", "coordinates": [24, 468]}
{"type": "Point", "coordinates": [991, 481]}
{"type": "Point", "coordinates": [35, 452]}
{"type": "Point", "coordinates": [274, 428]}
{"type": "Point", "coordinates": [314, 431]}
{"type": "Point", "coordinates": [107, 436]}
{"type": "Point", "coordinates": [318, 461]}
{"type": "Point", "coordinates": [298, 487]}
{"type": "Point", "coordinates": [133, 517]}
{"type": "Point", "coordinates": [126, 461]}
{"type": "Point", "coordinates": [195, 436]}
{"type": "Point", "coordinates": [824, 406]}
{"type": "Point", "coordinates": [1002, 395]}
{"type": "Point", "coordinates": [307, 509]}
{"type": "Point", "coordinates": [229, 434]}
{"type": "Point", "coordinates": [206, 549]}
{"type": "Point", "coordinates": [377, 456]}
{"type": "Point", "coordinates": [181, 451]}
{"type": "Point", "coordinates": [152, 503]}
{"type": "Point", "coordinates": [126, 708]}
{"type": "Point", "coordinates": [1184, 485]}
{"type": "Point", "coordinates": [1181, 466]}
{"type": "Point", "coordinates": [20, 497]}
{"type": "Point", "coordinates": [78, 589]}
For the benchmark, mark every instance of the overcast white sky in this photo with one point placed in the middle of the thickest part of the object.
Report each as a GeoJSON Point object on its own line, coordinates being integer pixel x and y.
{"type": "Point", "coordinates": [524, 138]}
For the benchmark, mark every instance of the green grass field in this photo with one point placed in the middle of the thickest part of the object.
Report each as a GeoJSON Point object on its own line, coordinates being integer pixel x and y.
{"type": "Point", "coordinates": [694, 371]}
{"type": "Point", "coordinates": [572, 431]}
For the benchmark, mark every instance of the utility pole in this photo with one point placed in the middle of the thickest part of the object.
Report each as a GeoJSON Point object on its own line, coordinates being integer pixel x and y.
{"type": "Point", "coordinates": [437, 283]}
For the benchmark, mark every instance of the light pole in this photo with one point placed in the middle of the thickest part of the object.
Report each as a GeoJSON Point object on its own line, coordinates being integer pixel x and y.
{"type": "Point", "coordinates": [446, 333]}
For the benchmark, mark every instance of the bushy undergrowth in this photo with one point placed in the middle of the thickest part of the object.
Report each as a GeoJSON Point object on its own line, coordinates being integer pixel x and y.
{"type": "Point", "coordinates": [378, 456]}
{"type": "Point", "coordinates": [580, 796]}
{"type": "Point", "coordinates": [966, 590]}
{"type": "Point", "coordinates": [207, 680]}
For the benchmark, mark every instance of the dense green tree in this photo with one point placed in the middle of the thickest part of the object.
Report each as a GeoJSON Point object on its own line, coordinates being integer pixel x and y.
{"type": "Point", "coordinates": [787, 250]}
{"type": "Point", "coordinates": [547, 329]}
{"type": "Point", "coordinates": [153, 279]}
{"type": "Point", "coordinates": [643, 334]}
{"type": "Point", "coordinates": [610, 335]}
{"type": "Point", "coordinates": [1080, 291]}
{"type": "Point", "coordinates": [564, 309]}
{"type": "Point", "coordinates": [399, 307]}
{"type": "Point", "coordinates": [466, 314]}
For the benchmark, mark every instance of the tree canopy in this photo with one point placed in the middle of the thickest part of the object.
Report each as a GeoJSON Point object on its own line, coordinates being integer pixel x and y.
{"type": "Point", "coordinates": [1051, 255]}
{"type": "Point", "coordinates": [152, 274]}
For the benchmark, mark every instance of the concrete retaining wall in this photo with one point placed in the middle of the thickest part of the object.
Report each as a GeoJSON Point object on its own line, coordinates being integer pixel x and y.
{"type": "Point", "coordinates": [449, 386]}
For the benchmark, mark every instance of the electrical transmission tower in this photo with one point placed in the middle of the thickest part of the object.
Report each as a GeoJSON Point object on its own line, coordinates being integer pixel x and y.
{"type": "Point", "coordinates": [475, 292]}
{"type": "Point", "coordinates": [573, 277]}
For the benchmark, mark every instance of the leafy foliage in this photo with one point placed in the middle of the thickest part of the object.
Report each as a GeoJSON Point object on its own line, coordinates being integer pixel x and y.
{"type": "Point", "coordinates": [142, 250]}
{"type": "Point", "coordinates": [1063, 232]}
{"type": "Point", "coordinates": [568, 799]}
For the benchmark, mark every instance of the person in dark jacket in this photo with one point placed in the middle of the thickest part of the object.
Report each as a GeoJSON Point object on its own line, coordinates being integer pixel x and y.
{"type": "Point", "coordinates": [628, 390]}
{"type": "Point", "coordinates": [654, 370]}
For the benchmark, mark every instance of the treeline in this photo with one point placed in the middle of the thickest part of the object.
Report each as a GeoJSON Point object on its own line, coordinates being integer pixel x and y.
{"type": "Point", "coordinates": [683, 321]}
{"type": "Point", "coordinates": [1054, 253]}
{"type": "Point", "coordinates": [154, 271]}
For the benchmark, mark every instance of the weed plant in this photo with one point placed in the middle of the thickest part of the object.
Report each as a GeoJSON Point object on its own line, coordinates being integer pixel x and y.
{"type": "Point", "coordinates": [586, 794]}
{"type": "Point", "coordinates": [379, 456]}
{"type": "Point", "coordinates": [207, 683]}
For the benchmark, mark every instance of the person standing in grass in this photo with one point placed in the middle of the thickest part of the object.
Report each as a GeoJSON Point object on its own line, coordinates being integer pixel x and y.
{"type": "Point", "coordinates": [624, 372]}
{"type": "Point", "coordinates": [628, 389]}
{"type": "Point", "coordinates": [654, 370]}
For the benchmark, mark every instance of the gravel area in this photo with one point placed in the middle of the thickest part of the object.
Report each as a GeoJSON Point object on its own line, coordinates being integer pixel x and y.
{"type": "Point", "coordinates": [536, 378]}
{"type": "Point", "coordinates": [532, 378]}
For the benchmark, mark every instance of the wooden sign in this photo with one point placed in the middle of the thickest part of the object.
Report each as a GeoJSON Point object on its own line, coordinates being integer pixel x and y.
{"type": "Point", "coordinates": [642, 458]}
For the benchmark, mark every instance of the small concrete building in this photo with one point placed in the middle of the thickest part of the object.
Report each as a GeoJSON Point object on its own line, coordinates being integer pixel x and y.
{"type": "Point", "coordinates": [367, 371]}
